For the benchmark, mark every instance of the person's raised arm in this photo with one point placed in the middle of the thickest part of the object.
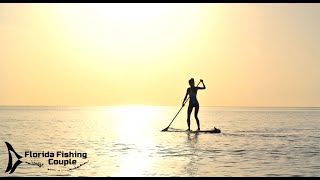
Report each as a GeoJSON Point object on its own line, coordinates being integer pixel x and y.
{"type": "Point", "coordinates": [204, 86]}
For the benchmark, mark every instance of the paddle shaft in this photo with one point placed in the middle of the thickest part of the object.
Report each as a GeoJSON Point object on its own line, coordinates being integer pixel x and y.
{"type": "Point", "coordinates": [180, 109]}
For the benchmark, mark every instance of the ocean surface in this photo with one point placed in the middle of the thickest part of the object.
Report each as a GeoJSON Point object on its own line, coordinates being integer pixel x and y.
{"type": "Point", "coordinates": [127, 141]}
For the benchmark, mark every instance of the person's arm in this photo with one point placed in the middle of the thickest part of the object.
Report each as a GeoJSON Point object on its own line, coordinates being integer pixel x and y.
{"type": "Point", "coordinates": [185, 97]}
{"type": "Point", "coordinates": [204, 86]}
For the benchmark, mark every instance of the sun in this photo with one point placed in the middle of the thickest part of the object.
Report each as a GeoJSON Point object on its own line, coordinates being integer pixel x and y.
{"type": "Point", "coordinates": [129, 12]}
{"type": "Point", "coordinates": [107, 30]}
{"type": "Point", "coordinates": [125, 35]}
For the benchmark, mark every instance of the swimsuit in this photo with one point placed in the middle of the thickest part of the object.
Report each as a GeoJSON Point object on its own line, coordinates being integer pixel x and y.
{"type": "Point", "coordinates": [193, 98]}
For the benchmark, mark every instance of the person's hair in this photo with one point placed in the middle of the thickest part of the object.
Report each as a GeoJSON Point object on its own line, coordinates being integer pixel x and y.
{"type": "Point", "coordinates": [190, 81]}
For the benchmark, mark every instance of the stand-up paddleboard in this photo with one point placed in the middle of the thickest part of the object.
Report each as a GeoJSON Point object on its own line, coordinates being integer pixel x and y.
{"type": "Point", "coordinates": [215, 130]}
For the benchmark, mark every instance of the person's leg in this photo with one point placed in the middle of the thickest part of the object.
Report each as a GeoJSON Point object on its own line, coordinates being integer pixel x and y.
{"type": "Point", "coordinates": [196, 115]}
{"type": "Point", "coordinates": [189, 113]}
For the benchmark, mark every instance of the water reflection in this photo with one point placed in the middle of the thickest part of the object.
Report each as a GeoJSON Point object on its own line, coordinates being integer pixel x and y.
{"type": "Point", "coordinates": [136, 156]}
{"type": "Point", "coordinates": [191, 144]}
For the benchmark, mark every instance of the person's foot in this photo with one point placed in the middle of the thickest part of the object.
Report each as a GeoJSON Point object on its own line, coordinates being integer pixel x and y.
{"type": "Point", "coordinates": [198, 129]}
{"type": "Point", "coordinates": [188, 130]}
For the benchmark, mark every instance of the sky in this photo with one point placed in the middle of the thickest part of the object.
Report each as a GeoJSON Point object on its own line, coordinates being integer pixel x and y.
{"type": "Point", "coordinates": [144, 54]}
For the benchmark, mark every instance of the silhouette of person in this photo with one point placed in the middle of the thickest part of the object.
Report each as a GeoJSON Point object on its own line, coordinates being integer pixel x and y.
{"type": "Point", "coordinates": [193, 103]}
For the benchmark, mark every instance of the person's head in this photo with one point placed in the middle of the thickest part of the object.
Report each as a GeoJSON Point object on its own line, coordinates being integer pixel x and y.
{"type": "Point", "coordinates": [191, 82]}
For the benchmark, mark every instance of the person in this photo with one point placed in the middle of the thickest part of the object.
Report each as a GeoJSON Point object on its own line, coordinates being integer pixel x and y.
{"type": "Point", "coordinates": [193, 103]}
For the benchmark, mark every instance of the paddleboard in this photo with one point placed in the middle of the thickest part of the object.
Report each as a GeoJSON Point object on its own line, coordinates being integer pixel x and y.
{"type": "Point", "coordinates": [216, 130]}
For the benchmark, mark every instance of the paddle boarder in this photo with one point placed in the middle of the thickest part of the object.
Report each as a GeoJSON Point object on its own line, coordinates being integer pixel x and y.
{"type": "Point", "coordinates": [193, 103]}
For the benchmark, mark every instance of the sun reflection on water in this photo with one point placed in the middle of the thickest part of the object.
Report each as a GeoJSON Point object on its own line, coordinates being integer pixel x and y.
{"type": "Point", "coordinates": [134, 125]}
{"type": "Point", "coordinates": [135, 118]}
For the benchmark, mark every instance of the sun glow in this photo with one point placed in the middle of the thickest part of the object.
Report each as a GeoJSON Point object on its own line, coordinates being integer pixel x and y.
{"type": "Point", "coordinates": [129, 12]}
{"type": "Point", "coordinates": [135, 117]}
{"type": "Point", "coordinates": [127, 36]}
{"type": "Point", "coordinates": [126, 26]}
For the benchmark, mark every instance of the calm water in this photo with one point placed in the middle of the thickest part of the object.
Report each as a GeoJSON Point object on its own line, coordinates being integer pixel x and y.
{"type": "Point", "coordinates": [127, 141]}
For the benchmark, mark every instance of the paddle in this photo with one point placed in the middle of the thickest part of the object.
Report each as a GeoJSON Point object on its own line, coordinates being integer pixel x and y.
{"type": "Point", "coordinates": [166, 129]}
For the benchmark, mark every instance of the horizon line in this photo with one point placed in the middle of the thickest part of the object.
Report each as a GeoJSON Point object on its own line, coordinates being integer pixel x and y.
{"type": "Point", "coordinates": [230, 106]}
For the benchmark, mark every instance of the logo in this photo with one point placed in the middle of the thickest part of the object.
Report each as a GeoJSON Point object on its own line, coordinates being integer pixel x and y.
{"type": "Point", "coordinates": [58, 161]}
{"type": "Point", "coordinates": [17, 163]}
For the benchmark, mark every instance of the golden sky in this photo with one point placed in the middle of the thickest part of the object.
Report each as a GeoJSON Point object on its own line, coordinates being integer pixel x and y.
{"type": "Point", "coordinates": [123, 54]}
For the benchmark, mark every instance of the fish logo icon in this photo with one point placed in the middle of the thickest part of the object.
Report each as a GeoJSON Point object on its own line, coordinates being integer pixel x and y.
{"type": "Point", "coordinates": [16, 164]}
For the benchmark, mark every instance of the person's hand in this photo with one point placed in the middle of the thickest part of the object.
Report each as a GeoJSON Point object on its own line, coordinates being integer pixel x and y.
{"type": "Point", "coordinates": [182, 104]}
{"type": "Point", "coordinates": [201, 80]}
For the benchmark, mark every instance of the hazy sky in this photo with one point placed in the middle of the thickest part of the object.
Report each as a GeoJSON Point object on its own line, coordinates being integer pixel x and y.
{"type": "Point", "coordinates": [111, 54]}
